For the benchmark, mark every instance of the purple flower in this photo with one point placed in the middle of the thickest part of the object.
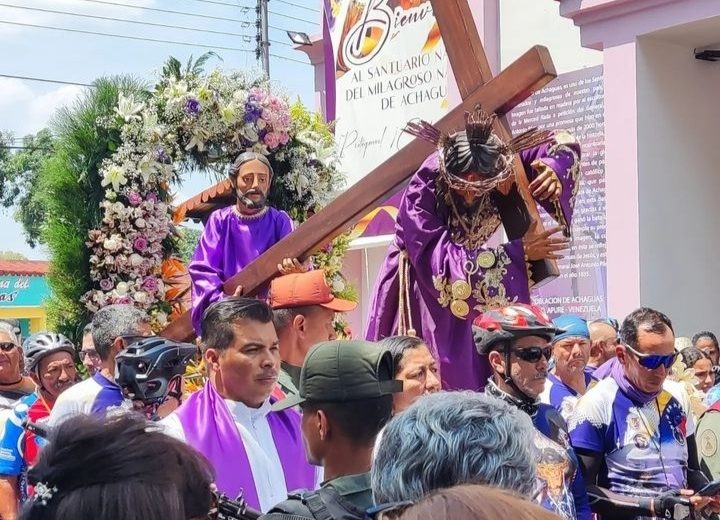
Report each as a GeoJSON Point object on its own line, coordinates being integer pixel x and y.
{"type": "Point", "coordinates": [123, 300]}
{"type": "Point", "coordinates": [252, 112]}
{"type": "Point", "coordinates": [192, 106]}
{"type": "Point", "coordinates": [160, 154]}
{"type": "Point", "coordinates": [151, 197]}
{"type": "Point", "coordinates": [106, 284]}
{"type": "Point", "coordinates": [134, 198]}
{"type": "Point", "coordinates": [140, 244]}
{"type": "Point", "coordinates": [150, 284]}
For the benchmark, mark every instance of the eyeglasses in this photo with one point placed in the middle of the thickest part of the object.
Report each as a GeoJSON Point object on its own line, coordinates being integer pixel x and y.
{"type": "Point", "coordinates": [374, 513]}
{"type": "Point", "coordinates": [7, 346]}
{"type": "Point", "coordinates": [89, 353]}
{"type": "Point", "coordinates": [652, 361]}
{"type": "Point", "coordinates": [533, 354]}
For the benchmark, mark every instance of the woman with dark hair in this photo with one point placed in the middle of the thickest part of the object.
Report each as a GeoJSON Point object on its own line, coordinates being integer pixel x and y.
{"type": "Point", "coordinates": [467, 502]}
{"type": "Point", "coordinates": [701, 365]}
{"type": "Point", "coordinates": [414, 366]}
{"type": "Point", "coordinates": [120, 468]}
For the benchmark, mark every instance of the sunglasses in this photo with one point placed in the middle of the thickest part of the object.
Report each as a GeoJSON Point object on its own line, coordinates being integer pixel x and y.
{"type": "Point", "coordinates": [533, 354]}
{"type": "Point", "coordinates": [374, 513]}
{"type": "Point", "coordinates": [7, 346]}
{"type": "Point", "coordinates": [652, 361]}
{"type": "Point", "coordinates": [129, 339]}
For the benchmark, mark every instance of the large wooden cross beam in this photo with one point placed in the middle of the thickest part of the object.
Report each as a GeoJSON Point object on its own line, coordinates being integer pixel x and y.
{"type": "Point", "coordinates": [526, 75]}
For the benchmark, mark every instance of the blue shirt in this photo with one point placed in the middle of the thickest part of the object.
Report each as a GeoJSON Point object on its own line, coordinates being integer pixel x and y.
{"type": "Point", "coordinates": [644, 447]}
{"type": "Point", "coordinates": [560, 396]}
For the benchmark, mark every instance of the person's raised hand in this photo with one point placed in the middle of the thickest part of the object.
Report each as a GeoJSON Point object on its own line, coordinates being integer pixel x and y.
{"type": "Point", "coordinates": [291, 266]}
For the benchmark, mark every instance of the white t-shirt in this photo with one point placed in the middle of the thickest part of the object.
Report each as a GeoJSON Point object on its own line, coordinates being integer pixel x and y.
{"type": "Point", "coordinates": [96, 395]}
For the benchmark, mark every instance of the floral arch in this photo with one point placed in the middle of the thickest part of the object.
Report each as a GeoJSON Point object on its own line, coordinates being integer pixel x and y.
{"type": "Point", "coordinates": [193, 122]}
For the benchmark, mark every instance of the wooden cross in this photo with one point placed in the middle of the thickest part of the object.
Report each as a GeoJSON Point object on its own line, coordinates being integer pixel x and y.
{"type": "Point", "coordinates": [500, 94]}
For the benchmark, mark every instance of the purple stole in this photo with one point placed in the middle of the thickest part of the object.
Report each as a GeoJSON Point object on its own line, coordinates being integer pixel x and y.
{"type": "Point", "coordinates": [211, 430]}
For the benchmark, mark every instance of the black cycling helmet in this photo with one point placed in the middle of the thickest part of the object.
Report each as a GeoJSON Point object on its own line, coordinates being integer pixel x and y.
{"type": "Point", "coordinates": [505, 324]}
{"type": "Point", "coordinates": [146, 367]}
{"type": "Point", "coordinates": [43, 344]}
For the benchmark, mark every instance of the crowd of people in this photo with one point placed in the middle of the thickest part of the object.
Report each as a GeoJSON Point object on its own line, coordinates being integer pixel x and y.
{"type": "Point", "coordinates": [575, 419]}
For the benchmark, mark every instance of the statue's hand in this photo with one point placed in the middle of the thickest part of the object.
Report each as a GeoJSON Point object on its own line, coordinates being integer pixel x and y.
{"type": "Point", "coordinates": [291, 266]}
{"type": "Point", "coordinates": [546, 185]}
{"type": "Point", "coordinates": [545, 245]}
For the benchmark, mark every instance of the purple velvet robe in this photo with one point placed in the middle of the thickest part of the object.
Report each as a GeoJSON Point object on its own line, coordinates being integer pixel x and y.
{"type": "Point", "coordinates": [436, 261]}
{"type": "Point", "coordinates": [228, 244]}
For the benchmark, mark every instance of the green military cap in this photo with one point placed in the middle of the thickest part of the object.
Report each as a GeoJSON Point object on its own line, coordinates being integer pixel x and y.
{"type": "Point", "coordinates": [340, 371]}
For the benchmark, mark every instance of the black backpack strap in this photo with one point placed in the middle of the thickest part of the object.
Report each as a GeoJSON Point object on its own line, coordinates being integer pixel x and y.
{"type": "Point", "coordinates": [317, 506]}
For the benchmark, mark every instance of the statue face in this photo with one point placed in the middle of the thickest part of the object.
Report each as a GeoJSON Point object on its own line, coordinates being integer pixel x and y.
{"type": "Point", "coordinates": [252, 184]}
{"type": "Point", "coordinates": [468, 196]}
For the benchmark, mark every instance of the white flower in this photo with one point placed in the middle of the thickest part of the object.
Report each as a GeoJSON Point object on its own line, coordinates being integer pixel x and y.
{"type": "Point", "coordinates": [113, 243]}
{"type": "Point", "coordinates": [140, 222]}
{"type": "Point", "coordinates": [199, 137]}
{"type": "Point", "coordinates": [140, 297]}
{"type": "Point", "coordinates": [128, 109]}
{"type": "Point", "coordinates": [114, 175]}
{"type": "Point", "coordinates": [250, 133]}
{"type": "Point", "coordinates": [146, 167]}
{"type": "Point", "coordinates": [110, 195]}
{"type": "Point", "coordinates": [177, 90]}
{"type": "Point", "coordinates": [338, 285]}
{"type": "Point", "coordinates": [121, 288]}
{"type": "Point", "coordinates": [161, 317]}
{"type": "Point", "coordinates": [136, 260]}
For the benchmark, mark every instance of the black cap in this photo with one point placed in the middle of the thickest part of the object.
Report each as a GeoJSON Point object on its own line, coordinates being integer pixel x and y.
{"type": "Point", "coordinates": [340, 371]}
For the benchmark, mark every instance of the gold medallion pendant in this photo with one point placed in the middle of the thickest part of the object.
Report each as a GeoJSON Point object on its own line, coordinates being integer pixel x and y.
{"type": "Point", "coordinates": [460, 308]}
{"type": "Point", "coordinates": [461, 290]}
{"type": "Point", "coordinates": [486, 260]}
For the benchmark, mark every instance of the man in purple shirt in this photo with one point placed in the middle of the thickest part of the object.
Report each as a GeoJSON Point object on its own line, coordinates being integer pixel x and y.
{"type": "Point", "coordinates": [236, 235]}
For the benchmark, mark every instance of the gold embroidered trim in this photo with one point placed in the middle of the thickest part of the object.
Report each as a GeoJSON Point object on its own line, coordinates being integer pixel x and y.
{"type": "Point", "coordinates": [489, 290]}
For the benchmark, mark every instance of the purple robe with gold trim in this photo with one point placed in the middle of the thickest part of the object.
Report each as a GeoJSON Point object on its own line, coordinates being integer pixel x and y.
{"type": "Point", "coordinates": [228, 243]}
{"type": "Point", "coordinates": [444, 275]}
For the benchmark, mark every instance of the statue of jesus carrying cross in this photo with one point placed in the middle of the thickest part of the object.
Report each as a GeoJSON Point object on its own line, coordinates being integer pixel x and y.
{"type": "Point", "coordinates": [438, 274]}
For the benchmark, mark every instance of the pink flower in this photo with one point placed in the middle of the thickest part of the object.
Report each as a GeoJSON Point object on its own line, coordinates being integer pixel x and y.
{"type": "Point", "coordinates": [123, 300]}
{"type": "Point", "coordinates": [134, 198]}
{"type": "Point", "coordinates": [150, 284]}
{"type": "Point", "coordinates": [272, 140]}
{"type": "Point", "coordinates": [151, 197]}
{"type": "Point", "coordinates": [140, 244]}
{"type": "Point", "coordinates": [106, 284]}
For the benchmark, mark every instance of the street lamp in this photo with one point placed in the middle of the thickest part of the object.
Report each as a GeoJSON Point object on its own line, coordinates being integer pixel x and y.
{"type": "Point", "coordinates": [299, 38]}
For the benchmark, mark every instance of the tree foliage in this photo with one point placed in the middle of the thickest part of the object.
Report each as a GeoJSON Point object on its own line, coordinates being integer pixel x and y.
{"type": "Point", "coordinates": [19, 176]}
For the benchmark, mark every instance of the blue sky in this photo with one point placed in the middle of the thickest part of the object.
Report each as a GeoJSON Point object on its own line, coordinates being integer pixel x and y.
{"type": "Point", "coordinates": [26, 106]}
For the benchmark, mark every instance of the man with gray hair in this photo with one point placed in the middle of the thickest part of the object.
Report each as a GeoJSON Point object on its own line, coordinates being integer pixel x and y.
{"type": "Point", "coordinates": [452, 438]}
{"type": "Point", "coordinates": [113, 328]}
{"type": "Point", "coordinates": [236, 235]}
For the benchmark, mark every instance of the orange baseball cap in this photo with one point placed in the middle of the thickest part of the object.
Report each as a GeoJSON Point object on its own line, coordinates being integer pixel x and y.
{"type": "Point", "coordinates": [301, 289]}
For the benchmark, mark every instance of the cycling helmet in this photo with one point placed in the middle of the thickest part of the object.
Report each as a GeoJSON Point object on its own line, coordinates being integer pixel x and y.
{"type": "Point", "coordinates": [505, 324]}
{"type": "Point", "coordinates": [43, 344]}
{"type": "Point", "coordinates": [146, 367]}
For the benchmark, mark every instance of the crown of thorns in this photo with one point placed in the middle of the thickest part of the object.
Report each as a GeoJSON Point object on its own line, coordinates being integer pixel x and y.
{"type": "Point", "coordinates": [476, 149]}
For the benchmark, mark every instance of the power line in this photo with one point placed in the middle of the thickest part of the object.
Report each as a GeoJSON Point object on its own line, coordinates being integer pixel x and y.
{"type": "Point", "coordinates": [169, 11]}
{"type": "Point", "coordinates": [127, 37]}
{"type": "Point", "coordinates": [281, 43]}
{"type": "Point", "coordinates": [46, 80]}
{"type": "Point", "coordinates": [286, 16]}
{"type": "Point", "coordinates": [312, 9]}
{"type": "Point", "coordinates": [216, 3]}
{"type": "Point", "coordinates": [109, 18]}
{"type": "Point", "coordinates": [289, 59]}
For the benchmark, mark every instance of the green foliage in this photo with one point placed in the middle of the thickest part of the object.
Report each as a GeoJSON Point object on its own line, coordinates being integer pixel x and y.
{"type": "Point", "coordinates": [12, 255]}
{"type": "Point", "coordinates": [187, 244]}
{"type": "Point", "coordinates": [71, 193]}
{"type": "Point", "coordinates": [19, 172]}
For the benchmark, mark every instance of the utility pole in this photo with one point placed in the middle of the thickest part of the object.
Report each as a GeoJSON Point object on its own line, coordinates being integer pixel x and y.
{"type": "Point", "coordinates": [262, 50]}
